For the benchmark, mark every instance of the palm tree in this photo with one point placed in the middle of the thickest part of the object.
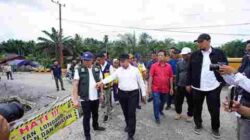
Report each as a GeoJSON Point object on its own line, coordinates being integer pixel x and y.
{"type": "Point", "coordinates": [129, 40]}
{"type": "Point", "coordinates": [52, 43]}
{"type": "Point", "coordinates": [76, 45]}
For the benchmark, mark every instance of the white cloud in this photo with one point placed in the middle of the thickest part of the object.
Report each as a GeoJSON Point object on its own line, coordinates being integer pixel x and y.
{"type": "Point", "coordinates": [24, 19]}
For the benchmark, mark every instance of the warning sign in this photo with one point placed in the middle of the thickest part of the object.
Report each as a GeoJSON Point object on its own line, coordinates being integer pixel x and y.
{"type": "Point", "coordinates": [45, 124]}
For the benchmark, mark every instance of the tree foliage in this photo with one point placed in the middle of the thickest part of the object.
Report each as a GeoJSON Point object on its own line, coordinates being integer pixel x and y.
{"type": "Point", "coordinates": [235, 48]}
{"type": "Point", "coordinates": [46, 49]}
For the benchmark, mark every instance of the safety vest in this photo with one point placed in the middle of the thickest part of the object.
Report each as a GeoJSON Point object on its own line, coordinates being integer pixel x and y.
{"type": "Point", "coordinates": [105, 74]}
{"type": "Point", "coordinates": [141, 68]}
{"type": "Point", "coordinates": [116, 80]}
{"type": "Point", "coordinates": [83, 87]}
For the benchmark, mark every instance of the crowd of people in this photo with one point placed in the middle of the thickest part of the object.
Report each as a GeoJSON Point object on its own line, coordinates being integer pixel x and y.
{"type": "Point", "coordinates": [169, 77]}
{"type": "Point", "coordinates": [166, 79]}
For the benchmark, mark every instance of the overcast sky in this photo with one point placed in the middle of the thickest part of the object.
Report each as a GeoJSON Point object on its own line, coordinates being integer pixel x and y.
{"type": "Point", "coordinates": [24, 19]}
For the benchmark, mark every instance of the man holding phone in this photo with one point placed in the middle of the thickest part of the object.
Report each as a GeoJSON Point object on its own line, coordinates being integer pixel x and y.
{"type": "Point", "coordinates": [240, 79]}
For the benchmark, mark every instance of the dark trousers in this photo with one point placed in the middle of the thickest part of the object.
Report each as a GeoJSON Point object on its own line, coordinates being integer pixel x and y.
{"type": "Point", "coordinates": [213, 104]}
{"type": "Point", "coordinates": [128, 101]}
{"type": "Point", "coordinates": [115, 92]}
{"type": "Point", "coordinates": [9, 75]}
{"type": "Point", "coordinates": [179, 99]}
{"type": "Point", "coordinates": [90, 107]}
{"type": "Point", "coordinates": [171, 98]}
{"type": "Point", "coordinates": [61, 82]}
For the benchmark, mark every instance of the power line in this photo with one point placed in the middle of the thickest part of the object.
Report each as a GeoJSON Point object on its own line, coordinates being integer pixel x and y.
{"type": "Point", "coordinates": [209, 26]}
{"type": "Point", "coordinates": [160, 30]}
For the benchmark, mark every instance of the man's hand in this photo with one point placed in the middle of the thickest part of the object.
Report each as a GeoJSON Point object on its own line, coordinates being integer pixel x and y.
{"type": "Point", "coordinates": [189, 89]}
{"type": "Point", "coordinates": [225, 69]}
{"type": "Point", "coordinates": [226, 105]}
{"type": "Point", "coordinates": [149, 92]}
{"type": "Point", "coordinates": [4, 129]}
{"type": "Point", "coordinates": [76, 103]}
{"type": "Point", "coordinates": [99, 84]}
{"type": "Point", "coordinates": [235, 107]}
{"type": "Point", "coordinates": [171, 91]}
{"type": "Point", "coordinates": [144, 100]}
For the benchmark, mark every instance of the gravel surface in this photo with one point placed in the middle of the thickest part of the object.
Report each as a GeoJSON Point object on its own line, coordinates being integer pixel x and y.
{"type": "Point", "coordinates": [35, 88]}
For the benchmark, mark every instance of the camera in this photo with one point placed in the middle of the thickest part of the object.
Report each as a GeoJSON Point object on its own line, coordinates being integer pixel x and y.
{"type": "Point", "coordinates": [216, 67]}
{"type": "Point", "coordinates": [11, 111]}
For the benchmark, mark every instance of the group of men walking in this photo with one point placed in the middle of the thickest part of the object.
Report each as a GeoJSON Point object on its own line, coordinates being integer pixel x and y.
{"type": "Point", "coordinates": [190, 77]}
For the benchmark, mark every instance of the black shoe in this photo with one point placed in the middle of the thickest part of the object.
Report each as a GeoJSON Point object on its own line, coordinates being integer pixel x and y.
{"type": "Point", "coordinates": [162, 113]}
{"type": "Point", "coordinates": [150, 99]}
{"type": "Point", "coordinates": [105, 119]}
{"type": "Point", "coordinates": [168, 108]}
{"type": "Point", "coordinates": [138, 107]}
{"type": "Point", "coordinates": [99, 128]}
{"type": "Point", "coordinates": [197, 130]}
{"type": "Point", "coordinates": [63, 89]}
{"type": "Point", "coordinates": [87, 138]}
{"type": "Point", "coordinates": [126, 129]}
{"type": "Point", "coordinates": [130, 138]}
{"type": "Point", "coordinates": [57, 90]}
{"type": "Point", "coordinates": [158, 122]}
{"type": "Point", "coordinates": [216, 134]}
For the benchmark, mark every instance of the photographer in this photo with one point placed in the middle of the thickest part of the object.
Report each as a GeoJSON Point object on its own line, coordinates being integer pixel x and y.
{"type": "Point", "coordinates": [242, 105]}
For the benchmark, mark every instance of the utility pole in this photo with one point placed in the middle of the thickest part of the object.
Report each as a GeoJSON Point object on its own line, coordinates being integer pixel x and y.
{"type": "Point", "coordinates": [106, 38]}
{"type": "Point", "coordinates": [60, 31]}
{"type": "Point", "coordinates": [134, 43]}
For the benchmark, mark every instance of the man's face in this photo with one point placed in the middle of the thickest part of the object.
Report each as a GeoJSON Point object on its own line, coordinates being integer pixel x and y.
{"type": "Point", "coordinates": [153, 56]}
{"type": "Point", "coordinates": [203, 44]}
{"type": "Point", "coordinates": [131, 59]}
{"type": "Point", "coordinates": [88, 63]}
{"type": "Point", "coordinates": [106, 56]}
{"type": "Point", "coordinates": [185, 56]}
{"type": "Point", "coordinates": [248, 49]}
{"type": "Point", "coordinates": [171, 52]}
{"type": "Point", "coordinates": [56, 63]}
{"type": "Point", "coordinates": [116, 64]}
{"type": "Point", "coordinates": [101, 60]}
{"type": "Point", "coordinates": [124, 63]}
{"type": "Point", "coordinates": [161, 56]}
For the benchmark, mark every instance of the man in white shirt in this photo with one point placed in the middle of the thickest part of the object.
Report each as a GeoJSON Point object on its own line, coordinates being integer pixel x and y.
{"type": "Point", "coordinates": [84, 85]}
{"type": "Point", "coordinates": [129, 83]}
{"type": "Point", "coordinates": [7, 69]}
{"type": "Point", "coordinates": [205, 83]}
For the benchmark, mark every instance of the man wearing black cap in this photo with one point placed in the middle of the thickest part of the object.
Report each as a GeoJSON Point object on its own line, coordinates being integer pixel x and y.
{"type": "Point", "coordinates": [206, 83]}
{"type": "Point", "coordinates": [130, 81]}
{"type": "Point", "coordinates": [84, 85]}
